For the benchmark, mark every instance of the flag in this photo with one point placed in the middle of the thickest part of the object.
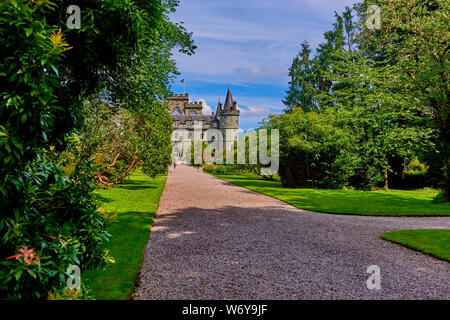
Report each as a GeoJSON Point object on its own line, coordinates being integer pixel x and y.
{"type": "Point", "coordinates": [182, 80]}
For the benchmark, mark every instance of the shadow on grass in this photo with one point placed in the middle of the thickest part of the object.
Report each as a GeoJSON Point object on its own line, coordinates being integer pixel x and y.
{"type": "Point", "coordinates": [129, 235]}
{"type": "Point", "coordinates": [103, 199]}
{"type": "Point", "coordinates": [136, 185]}
{"type": "Point", "coordinates": [136, 200]}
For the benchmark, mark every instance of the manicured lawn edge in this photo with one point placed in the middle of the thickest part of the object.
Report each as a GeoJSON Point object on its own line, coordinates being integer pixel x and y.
{"type": "Point", "coordinates": [133, 289]}
{"type": "Point", "coordinates": [136, 200]}
{"type": "Point", "coordinates": [431, 208]}
{"type": "Point", "coordinates": [433, 242]}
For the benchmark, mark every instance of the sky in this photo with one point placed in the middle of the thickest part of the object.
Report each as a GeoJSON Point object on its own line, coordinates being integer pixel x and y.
{"type": "Point", "coordinates": [248, 46]}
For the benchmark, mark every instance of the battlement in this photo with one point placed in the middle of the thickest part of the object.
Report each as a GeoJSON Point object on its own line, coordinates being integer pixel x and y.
{"type": "Point", "coordinates": [179, 97]}
{"type": "Point", "coordinates": [195, 104]}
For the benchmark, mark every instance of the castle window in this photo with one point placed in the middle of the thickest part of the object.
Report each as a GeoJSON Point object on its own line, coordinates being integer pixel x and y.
{"type": "Point", "coordinates": [214, 124]}
{"type": "Point", "coordinates": [176, 112]}
{"type": "Point", "coordinates": [189, 124]}
{"type": "Point", "coordinates": [175, 124]}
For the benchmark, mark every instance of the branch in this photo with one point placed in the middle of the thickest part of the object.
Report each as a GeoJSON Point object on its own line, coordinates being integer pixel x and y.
{"type": "Point", "coordinates": [114, 162]}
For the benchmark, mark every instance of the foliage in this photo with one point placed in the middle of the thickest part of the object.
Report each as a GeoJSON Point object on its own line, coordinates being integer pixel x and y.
{"type": "Point", "coordinates": [308, 79]}
{"type": "Point", "coordinates": [59, 220]}
{"type": "Point", "coordinates": [414, 38]}
{"type": "Point", "coordinates": [69, 294]}
{"type": "Point", "coordinates": [229, 169]}
{"type": "Point", "coordinates": [153, 129]}
{"type": "Point", "coordinates": [121, 55]}
{"type": "Point", "coordinates": [314, 152]}
{"type": "Point", "coordinates": [120, 140]}
{"type": "Point", "coordinates": [360, 128]}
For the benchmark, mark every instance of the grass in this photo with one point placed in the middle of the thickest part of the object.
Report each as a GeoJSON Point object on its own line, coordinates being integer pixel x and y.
{"type": "Point", "coordinates": [433, 242]}
{"type": "Point", "coordinates": [136, 200]}
{"type": "Point", "coordinates": [376, 203]}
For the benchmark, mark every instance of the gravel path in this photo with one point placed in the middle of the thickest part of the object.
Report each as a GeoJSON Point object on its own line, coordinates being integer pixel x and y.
{"type": "Point", "coordinates": [213, 240]}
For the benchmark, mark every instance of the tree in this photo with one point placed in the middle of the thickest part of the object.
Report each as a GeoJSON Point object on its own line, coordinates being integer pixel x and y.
{"type": "Point", "coordinates": [313, 151]}
{"type": "Point", "coordinates": [307, 74]}
{"type": "Point", "coordinates": [414, 37]}
{"type": "Point", "coordinates": [301, 87]}
{"type": "Point", "coordinates": [365, 101]}
{"type": "Point", "coordinates": [121, 54]}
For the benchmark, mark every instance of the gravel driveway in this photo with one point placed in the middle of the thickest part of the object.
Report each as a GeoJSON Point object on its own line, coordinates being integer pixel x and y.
{"type": "Point", "coordinates": [213, 240]}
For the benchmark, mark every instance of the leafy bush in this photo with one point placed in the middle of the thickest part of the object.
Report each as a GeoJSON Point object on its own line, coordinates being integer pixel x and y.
{"type": "Point", "coordinates": [118, 141]}
{"type": "Point", "coordinates": [314, 152]}
{"type": "Point", "coordinates": [416, 167]}
{"type": "Point", "coordinates": [46, 73]}
{"type": "Point", "coordinates": [69, 294]}
{"type": "Point", "coordinates": [230, 169]}
{"type": "Point", "coordinates": [58, 219]}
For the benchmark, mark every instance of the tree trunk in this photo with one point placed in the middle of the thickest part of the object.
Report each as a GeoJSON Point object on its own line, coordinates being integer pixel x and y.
{"type": "Point", "coordinates": [445, 151]}
{"type": "Point", "coordinates": [386, 179]}
{"type": "Point", "coordinates": [447, 179]}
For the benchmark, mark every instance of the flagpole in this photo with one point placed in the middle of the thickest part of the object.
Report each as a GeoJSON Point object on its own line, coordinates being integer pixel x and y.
{"type": "Point", "coordinates": [184, 86]}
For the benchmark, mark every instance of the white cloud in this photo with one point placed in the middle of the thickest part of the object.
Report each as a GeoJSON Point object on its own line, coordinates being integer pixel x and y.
{"type": "Point", "coordinates": [207, 110]}
{"type": "Point", "coordinates": [261, 72]}
{"type": "Point", "coordinates": [255, 111]}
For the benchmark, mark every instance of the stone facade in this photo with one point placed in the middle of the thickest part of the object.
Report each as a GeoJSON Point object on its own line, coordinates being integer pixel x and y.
{"type": "Point", "coordinates": [188, 119]}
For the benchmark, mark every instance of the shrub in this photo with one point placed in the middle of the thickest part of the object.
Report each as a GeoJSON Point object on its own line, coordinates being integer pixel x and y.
{"type": "Point", "coordinates": [57, 218]}
{"type": "Point", "coordinates": [230, 169]}
{"type": "Point", "coordinates": [46, 73]}
{"type": "Point", "coordinates": [313, 151]}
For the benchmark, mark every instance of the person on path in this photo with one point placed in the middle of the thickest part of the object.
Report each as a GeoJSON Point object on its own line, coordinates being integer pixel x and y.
{"type": "Point", "coordinates": [175, 163]}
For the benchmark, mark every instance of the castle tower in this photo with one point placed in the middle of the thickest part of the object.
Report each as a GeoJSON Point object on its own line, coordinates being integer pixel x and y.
{"type": "Point", "coordinates": [177, 103]}
{"type": "Point", "coordinates": [219, 109]}
{"type": "Point", "coordinates": [229, 121]}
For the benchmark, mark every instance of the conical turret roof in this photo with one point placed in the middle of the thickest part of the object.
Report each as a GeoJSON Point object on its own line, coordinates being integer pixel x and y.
{"type": "Point", "coordinates": [228, 102]}
{"type": "Point", "coordinates": [219, 108]}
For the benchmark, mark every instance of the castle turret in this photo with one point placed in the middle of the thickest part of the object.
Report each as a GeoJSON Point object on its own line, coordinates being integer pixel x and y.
{"type": "Point", "coordinates": [219, 109]}
{"type": "Point", "coordinates": [230, 113]}
{"type": "Point", "coordinates": [228, 101]}
{"type": "Point", "coordinates": [229, 120]}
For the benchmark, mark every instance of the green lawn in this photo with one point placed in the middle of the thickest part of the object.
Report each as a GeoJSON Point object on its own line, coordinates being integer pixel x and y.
{"type": "Point", "coordinates": [385, 203]}
{"type": "Point", "coordinates": [432, 242]}
{"type": "Point", "coordinates": [137, 201]}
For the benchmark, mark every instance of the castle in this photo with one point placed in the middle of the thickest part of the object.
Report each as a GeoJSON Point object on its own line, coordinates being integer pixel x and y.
{"type": "Point", "coordinates": [187, 117]}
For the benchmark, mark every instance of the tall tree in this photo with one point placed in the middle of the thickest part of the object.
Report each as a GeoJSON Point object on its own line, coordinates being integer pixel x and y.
{"type": "Point", "coordinates": [302, 84]}
{"type": "Point", "coordinates": [414, 36]}
{"type": "Point", "coordinates": [307, 74]}
{"type": "Point", "coordinates": [365, 98]}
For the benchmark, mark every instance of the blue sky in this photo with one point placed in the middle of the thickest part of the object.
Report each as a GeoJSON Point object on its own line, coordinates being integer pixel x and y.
{"type": "Point", "coordinates": [248, 46]}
